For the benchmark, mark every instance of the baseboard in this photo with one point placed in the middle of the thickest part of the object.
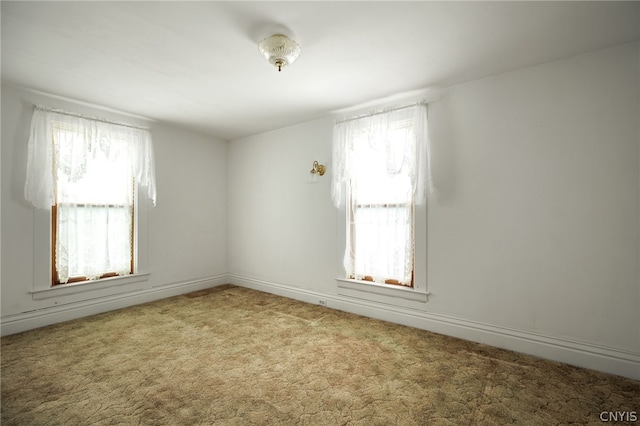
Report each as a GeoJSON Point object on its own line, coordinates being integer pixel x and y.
{"type": "Point", "coordinates": [581, 354]}
{"type": "Point", "coordinates": [17, 323]}
{"type": "Point", "coordinates": [600, 358]}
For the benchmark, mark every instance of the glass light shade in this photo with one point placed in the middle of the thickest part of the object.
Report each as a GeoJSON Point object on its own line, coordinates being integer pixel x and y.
{"type": "Point", "coordinates": [279, 50]}
{"type": "Point", "coordinates": [312, 178]}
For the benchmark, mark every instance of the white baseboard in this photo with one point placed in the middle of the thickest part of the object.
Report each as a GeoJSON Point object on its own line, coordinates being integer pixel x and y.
{"type": "Point", "coordinates": [17, 323]}
{"type": "Point", "coordinates": [600, 358]}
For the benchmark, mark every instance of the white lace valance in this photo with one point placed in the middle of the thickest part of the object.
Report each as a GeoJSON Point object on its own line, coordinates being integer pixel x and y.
{"type": "Point", "coordinates": [92, 136]}
{"type": "Point", "coordinates": [402, 134]}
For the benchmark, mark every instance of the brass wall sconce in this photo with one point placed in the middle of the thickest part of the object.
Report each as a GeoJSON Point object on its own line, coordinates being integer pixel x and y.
{"type": "Point", "coordinates": [317, 170]}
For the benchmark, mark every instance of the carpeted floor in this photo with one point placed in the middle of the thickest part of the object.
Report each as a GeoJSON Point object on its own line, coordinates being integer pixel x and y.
{"type": "Point", "coordinates": [234, 356]}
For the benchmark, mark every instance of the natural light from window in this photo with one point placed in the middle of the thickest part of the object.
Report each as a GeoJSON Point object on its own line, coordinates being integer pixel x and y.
{"type": "Point", "coordinates": [94, 207]}
{"type": "Point", "coordinates": [380, 231]}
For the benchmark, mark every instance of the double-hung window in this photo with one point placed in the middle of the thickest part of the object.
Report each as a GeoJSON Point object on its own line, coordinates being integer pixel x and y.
{"type": "Point", "coordinates": [93, 214]}
{"type": "Point", "coordinates": [87, 172]}
{"type": "Point", "coordinates": [381, 162]}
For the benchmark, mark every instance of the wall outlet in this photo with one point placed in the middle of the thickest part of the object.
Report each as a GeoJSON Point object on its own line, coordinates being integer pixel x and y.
{"type": "Point", "coordinates": [322, 302]}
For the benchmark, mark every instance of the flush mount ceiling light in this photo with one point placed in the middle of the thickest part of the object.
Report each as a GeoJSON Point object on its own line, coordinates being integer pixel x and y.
{"type": "Point", "coordinates": [279, 50]}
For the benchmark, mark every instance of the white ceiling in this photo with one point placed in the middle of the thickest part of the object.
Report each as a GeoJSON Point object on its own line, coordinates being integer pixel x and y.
{"type": "Point", "coordinates": [197, 64]}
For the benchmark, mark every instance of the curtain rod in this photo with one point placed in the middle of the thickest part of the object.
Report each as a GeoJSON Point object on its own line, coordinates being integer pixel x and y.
{"type": "Point", "coordinates": [102, 120]}
{"type": "Point", "coordinates": [358, 117]}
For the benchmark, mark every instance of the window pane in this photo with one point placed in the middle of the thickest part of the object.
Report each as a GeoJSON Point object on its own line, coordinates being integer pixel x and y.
{"type": "Point", "coordinates": [376, 176]}
{"type": "Point", "coordinates": [93, 240]}
{"type": "Point", "coordinates": [100, 176]}
{"type": "Point", "coordinates": [383, 243]}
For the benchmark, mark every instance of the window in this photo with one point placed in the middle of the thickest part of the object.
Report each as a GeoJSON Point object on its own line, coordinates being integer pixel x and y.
{"type": "Point", "coordinates": [93, 215]}
{"type": "Point", "coordinates": [381, 161]}
{"type": "Point", "coordinates": [380, 216]}
{"type": "Point", "coordinates": [87, 172]}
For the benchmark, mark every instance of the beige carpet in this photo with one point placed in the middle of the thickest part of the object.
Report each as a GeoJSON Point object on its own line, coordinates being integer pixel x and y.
{"type": "Point", "coordinates": [234, 356]}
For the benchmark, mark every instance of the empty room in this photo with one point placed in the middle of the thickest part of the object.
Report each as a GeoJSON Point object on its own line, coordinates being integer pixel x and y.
{"type": "Point", "coordinates": [321, 213]}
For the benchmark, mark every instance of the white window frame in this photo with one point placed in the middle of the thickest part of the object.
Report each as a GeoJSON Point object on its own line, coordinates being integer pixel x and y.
{"type": "Point", "coordinates": [43, 269]}
{"type": "Point", "coordinates": [391, 294]}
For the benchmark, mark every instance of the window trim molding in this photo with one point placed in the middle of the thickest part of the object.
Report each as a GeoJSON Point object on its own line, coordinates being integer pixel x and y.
{"type": "Point", "coordinates": [89, 285]}
{"type": "Point", "coordinates": [390, 290]}
{"type": "Point", "coordinates": [368, 290]}
{"type": "Point", "coordinates": [43, 259]}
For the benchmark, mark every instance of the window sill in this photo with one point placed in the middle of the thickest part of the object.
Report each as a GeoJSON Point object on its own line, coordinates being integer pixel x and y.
{"type": "Point", "coordinates": [390, 290]}
{"type": "Point", "coordinates": [83, 286]}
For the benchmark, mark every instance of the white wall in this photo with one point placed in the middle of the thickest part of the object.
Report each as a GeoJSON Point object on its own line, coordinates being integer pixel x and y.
{"type": "Point", "coordinates": [186, 231]}
{"type": "Point", "coordinates": [281, 228]}
{"type": "Point", "coordinates": [539, 214]}
{"type": "Point", "coordinates": [534, 240]}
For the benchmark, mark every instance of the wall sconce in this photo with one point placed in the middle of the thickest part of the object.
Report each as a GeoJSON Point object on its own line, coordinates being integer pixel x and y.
{"type": "Point", "coordinates": [317, 170]}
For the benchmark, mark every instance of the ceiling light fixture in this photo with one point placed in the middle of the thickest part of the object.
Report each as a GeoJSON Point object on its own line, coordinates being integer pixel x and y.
{"type": "Point", "coordinates": [279, 50]}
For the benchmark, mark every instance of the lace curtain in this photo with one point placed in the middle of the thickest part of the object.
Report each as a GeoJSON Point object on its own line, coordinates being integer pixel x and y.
{"type": "Point", "coordinates": [95, 134]}
{"type": "Point", "coordinates": [401, 133]}
{"type": "Point", "coordinates": [383, 159]}
{"type": "Point", "coordinates": [87, 168]}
